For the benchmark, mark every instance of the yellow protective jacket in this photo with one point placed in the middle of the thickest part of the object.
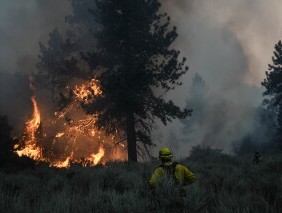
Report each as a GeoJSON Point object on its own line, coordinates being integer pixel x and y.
{"type": "Point", "coordinates": [182, 174]}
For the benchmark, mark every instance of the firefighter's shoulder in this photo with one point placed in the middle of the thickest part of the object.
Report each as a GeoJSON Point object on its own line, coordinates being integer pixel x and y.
{"type": "Point", "coordinates": [186, 171]}
{"type": "Point", "coordinates": [181, 167]}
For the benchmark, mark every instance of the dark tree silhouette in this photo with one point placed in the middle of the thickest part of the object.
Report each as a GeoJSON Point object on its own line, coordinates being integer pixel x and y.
{"type": "Point", "coordinates": [8, 159]}
{"type": "Point", "coordinates": [57, 65]}
{"type": "Point", "coordinates": [273, 86]}
{"type": "Point", "coordinates": [59, 60]}
{"type": "Point", "coordinates": [7, 144]}
{"type": "Point", "coordinates": [134, 54]}
{"type": "Point", "coordinates": [130, 53]}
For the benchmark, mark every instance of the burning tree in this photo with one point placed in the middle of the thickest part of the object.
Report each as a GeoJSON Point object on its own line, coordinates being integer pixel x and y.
{"type": "Point", "coordinates": [123, 71]}
{"type": "Point", "coordinates": [273, 86]}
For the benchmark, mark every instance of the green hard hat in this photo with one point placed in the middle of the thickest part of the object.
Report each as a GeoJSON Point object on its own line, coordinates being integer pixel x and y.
{"type": "Point", "coordinates": [165, 153]}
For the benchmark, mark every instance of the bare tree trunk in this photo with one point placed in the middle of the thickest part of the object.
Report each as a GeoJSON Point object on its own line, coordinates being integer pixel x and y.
{"type": "Point", "coordinates": [131, 138]}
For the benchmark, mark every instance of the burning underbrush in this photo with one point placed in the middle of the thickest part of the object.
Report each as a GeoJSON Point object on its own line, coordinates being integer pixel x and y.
{"type": "Point", "coordinates": [68, 136]}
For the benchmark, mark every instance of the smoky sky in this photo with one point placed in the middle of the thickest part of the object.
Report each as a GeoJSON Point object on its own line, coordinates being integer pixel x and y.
{"type": "Point", "coordinates": [211, 28]}
{"type": "Point", "coordinates": [229, 43]}
{"type": "Point", "coordinates": [23, 24]}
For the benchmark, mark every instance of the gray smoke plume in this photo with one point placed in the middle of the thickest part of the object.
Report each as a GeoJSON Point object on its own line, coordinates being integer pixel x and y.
{"type": "Point", "coordinates": [22, 25]}
{"type": "Point", "coordinates": [229, 43]}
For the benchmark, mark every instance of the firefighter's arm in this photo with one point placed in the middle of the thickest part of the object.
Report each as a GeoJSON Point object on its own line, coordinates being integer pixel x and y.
{"type": "Point", "coordinates": [189, 176]}
{"type": "Point", "coordinates": [154, 178]}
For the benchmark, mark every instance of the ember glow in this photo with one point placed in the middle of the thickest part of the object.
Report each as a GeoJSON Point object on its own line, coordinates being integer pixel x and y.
{"type": "Point", "coordinates": [87, 92]}
{"type": "Point", "coordinates": [69, 136]}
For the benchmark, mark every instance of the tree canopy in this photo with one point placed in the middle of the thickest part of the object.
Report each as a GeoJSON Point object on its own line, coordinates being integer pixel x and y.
{"type": "Point", "coordinates": [130, 54]}
{"type": "Point", "coordinates": [273, 86]}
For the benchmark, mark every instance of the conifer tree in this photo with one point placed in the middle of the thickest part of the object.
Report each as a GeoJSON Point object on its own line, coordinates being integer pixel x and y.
{"type": "Point", "coordinates": [130, 54]}
{"type": "Point", "coordinates": [134, 51]}
{"type": "Point", "coordinates": [273, 86]}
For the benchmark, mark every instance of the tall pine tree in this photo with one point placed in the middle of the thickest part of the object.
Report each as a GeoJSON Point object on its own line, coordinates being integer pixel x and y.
{"type": "Point", "coordinates": [130, 54]}
{"type": "Point", "coordinates": [273, 85]}
{"type": "Point", "coordinates": [135, 55]}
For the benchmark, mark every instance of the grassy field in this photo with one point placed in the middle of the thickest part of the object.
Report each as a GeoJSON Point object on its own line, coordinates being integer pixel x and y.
{"type": "Point", "coordinates": [225, 184]}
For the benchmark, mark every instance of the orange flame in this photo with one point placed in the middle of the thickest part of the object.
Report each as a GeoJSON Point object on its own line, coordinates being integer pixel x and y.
{"type": "Point", "coordinates": [86, 92]}
{"type": "Point", "coordinates": [92, 160]}
{"type": "Point", "coordinates": [95, 158]}
{"type": "Point", "coordinates": [80, 127]}
{"type": "Point", "coordinates": [63, 164]}
{"type": "Point", "coordinates": [31, 149]}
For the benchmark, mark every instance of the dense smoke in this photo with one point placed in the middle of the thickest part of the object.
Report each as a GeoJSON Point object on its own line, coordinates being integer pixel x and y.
{"type": "Point", "coordinates": [229, 43]}
{"type": "Point", "coordinates": [23, 25]}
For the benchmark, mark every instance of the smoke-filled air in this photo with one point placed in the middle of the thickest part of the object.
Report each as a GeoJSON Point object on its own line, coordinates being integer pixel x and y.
{"type": "Point", "coordinates": [228, 45]}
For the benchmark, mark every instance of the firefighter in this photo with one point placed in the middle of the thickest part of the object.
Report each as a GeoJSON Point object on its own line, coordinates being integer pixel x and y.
{"type": "Point", "coordinates": [257, 157]}
{"type": "Point", "coordinates": [181, 174]}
